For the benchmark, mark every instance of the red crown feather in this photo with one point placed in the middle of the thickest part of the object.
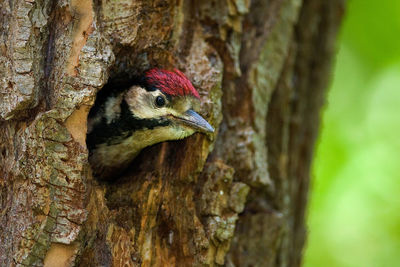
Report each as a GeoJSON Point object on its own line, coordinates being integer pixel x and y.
{"type": "Point", "coordinates": [173, 83]}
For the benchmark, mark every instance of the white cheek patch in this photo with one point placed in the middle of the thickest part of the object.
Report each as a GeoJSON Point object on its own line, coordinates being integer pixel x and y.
{"type": "Point", "coordinates": [112, 108]}
{"type": "Point", "coordinates": [141, 103]}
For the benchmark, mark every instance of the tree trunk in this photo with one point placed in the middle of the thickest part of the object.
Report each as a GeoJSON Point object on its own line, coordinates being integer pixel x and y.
{"type": "Point", "coordinates": [236, 198]}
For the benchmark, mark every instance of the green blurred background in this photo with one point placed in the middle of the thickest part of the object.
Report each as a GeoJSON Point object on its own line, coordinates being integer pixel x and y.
{"type": "Point", "coordinates": [354, 213]}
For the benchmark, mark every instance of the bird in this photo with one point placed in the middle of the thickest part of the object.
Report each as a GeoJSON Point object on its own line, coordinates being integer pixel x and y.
{"type": "Point", "coordinates": [157, 106]}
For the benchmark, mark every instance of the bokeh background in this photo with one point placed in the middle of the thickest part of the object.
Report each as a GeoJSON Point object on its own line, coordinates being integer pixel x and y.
{"type": "Point", "coordinates": [354, 212]}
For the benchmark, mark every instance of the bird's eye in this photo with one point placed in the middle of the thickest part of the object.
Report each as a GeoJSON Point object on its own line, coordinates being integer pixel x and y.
{"type": "Point", "coordinates": [160, 101]}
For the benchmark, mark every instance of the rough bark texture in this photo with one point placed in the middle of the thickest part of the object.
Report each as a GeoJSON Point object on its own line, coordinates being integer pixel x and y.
{"type": "Point", "coordinates": [237, 198]}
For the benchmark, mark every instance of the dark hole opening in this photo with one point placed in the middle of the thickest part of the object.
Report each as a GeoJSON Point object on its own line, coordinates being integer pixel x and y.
{"type": "Point", "coordinates": [112, 134]}
{"type": "Point", "coordinates": [3, 152]}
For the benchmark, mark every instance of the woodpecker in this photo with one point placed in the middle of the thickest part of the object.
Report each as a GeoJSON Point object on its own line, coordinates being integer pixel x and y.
{"type": "Point", "coordinates": [157, 107]}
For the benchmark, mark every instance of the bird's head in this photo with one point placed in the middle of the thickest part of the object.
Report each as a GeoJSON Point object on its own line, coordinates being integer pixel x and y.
{"type": "Point", "coordinates": [158, 107]}
{"type": "Point", "coordinates": [164, 102]}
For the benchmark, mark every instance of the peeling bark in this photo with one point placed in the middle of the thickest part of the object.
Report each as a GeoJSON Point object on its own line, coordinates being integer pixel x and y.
{"type": "Point", "coordinates": [237, 198]}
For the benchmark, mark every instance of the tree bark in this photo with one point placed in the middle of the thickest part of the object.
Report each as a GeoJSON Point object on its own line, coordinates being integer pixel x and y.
{"type": "Point", "coordinates": [236, 198]}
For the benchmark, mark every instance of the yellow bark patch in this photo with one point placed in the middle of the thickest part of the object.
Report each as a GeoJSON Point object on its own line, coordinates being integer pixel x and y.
{"type": "Point", "coordinates": [76, 124]}
{"type": "Point", "coordinates": [83, 11]}
{"type": "Point", "coordinates": [60, 255]}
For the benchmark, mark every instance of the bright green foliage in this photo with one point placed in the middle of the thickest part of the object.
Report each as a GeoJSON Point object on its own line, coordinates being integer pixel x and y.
{"type": "Point", "coordinates": [354, 215]}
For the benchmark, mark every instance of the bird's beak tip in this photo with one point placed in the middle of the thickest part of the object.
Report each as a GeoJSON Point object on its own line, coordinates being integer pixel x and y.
{"type": "Point", "coordinates": [208, 129]}
{"type": "Point", "coordinates": [194, 120]}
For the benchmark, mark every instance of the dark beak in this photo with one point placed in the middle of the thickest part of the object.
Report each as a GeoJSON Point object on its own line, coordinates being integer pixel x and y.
{"type": "Point", "coordinates": [194, 120]}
